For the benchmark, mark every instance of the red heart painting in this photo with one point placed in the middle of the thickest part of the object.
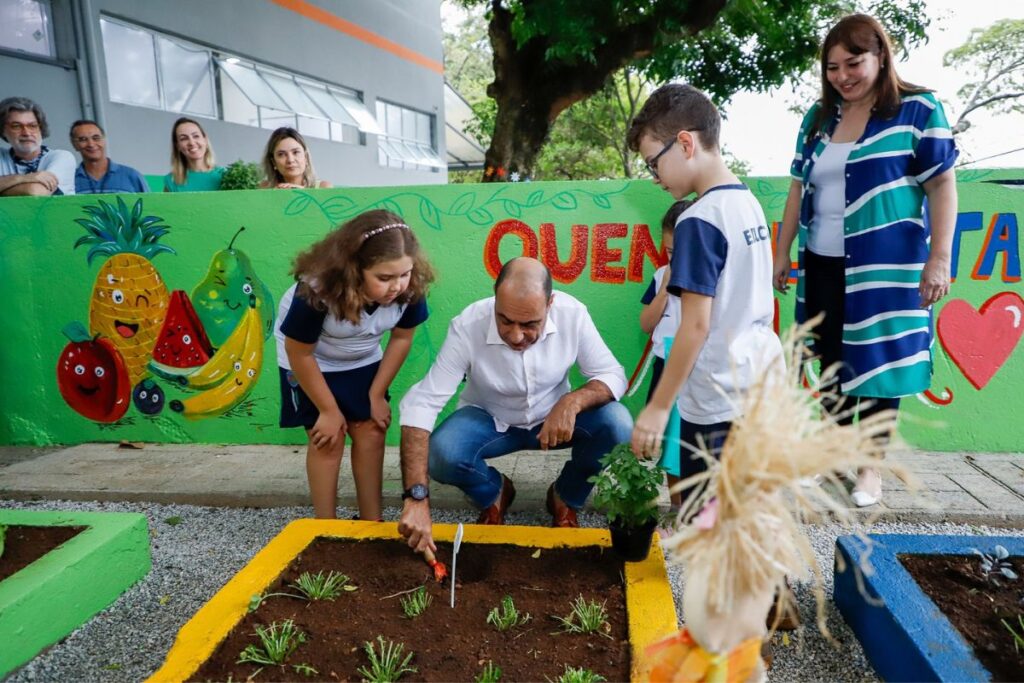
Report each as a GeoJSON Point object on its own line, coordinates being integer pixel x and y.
{"type": "Point", "coordinates": [979, 342]}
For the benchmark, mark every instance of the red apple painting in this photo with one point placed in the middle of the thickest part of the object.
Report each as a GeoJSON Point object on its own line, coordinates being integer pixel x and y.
{"type": "Point", "coordinates": [92, 376]}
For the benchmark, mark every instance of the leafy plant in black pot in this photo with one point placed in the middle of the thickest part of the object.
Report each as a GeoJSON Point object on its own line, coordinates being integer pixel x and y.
{"type": "Point", "coordinates": [626, 490]}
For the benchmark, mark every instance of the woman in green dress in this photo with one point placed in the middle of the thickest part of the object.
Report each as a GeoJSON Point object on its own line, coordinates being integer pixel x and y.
{"type": "Point", "coordinates": [192, 164]}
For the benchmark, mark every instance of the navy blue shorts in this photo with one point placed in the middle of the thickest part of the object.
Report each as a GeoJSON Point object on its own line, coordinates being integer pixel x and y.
{"type": "Point", "coordinates": [710, 437]}
{"type": "Point", "coordinates": [351, 389]}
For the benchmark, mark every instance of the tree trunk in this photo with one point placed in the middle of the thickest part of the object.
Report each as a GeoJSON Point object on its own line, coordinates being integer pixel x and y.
{"type": "Point", "coordinates": [531, 90]}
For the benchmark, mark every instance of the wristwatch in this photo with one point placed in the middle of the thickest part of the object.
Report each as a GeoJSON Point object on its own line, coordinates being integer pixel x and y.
{"type": "Point", "coordinates": [416, 492]}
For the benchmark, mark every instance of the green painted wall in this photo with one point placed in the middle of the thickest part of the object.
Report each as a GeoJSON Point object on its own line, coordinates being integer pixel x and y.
{"type": "Point", "coordinates": [47, 284]}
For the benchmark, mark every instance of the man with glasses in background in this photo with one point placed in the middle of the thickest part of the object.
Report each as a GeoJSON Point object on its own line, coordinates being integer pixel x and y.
{"type": "Point", "coordinates": [30, 168]}
{"type": "Point", "coordinates": [97, 174]}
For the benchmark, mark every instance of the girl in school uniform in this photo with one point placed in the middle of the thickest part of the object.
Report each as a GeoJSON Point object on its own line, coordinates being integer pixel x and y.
{"type": "Point", "coordinates": [365, 278]}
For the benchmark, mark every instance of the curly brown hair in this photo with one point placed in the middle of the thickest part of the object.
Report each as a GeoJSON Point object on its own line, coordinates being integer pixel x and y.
{"type": "Point", "coordinates": [330, 273]}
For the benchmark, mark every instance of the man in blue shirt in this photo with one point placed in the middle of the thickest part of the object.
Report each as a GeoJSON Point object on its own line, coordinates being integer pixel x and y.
{"type": "Point", "coordinates": [97, 174]}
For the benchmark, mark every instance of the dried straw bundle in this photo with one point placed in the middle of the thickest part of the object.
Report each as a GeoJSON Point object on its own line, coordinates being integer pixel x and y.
{"type": "Point", "coordinates": [783, 435]}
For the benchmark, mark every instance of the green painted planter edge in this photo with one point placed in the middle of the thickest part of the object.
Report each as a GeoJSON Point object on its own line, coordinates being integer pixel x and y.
{"type": "Point", "coordinates": [60, 591]}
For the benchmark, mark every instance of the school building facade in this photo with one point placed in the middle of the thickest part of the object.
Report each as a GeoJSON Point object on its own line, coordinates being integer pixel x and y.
{"type": "Point", "coordinates": [363, 80]}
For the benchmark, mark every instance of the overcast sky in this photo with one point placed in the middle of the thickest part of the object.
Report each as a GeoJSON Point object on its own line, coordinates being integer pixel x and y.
{"type": "Point", "coordinates": [761, 131]}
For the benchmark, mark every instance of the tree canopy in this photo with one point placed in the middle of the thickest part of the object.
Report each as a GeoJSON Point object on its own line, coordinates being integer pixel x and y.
{"type": "Point", "coordinates": [550, 54]}
{"type": "Point", "coordinates": [994, 58]}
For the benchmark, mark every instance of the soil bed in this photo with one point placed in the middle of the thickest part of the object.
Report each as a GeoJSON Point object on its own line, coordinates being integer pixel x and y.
{"type": "Point", "coordinates": [975, 605]}
{"type": "Point", "coordinates": [26, 544]}
{"type": "Point", "coordinates": [449, 645]}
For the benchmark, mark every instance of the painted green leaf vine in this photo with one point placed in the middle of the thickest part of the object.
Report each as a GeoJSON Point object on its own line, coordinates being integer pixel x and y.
{"type": "Point", "coordinates": [339, 207]}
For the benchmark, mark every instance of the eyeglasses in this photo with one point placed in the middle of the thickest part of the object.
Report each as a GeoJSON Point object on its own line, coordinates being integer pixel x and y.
{"type": "Point", "coordinates": [652, 164]}
{"type": "Point", "coordinates": [92, 138]}
{"type": "Point", "coordinates": [17, 127]}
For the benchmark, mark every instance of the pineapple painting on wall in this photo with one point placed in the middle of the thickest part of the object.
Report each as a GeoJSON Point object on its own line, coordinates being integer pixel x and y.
{"type": "Point", "coordinates": [129, 298]}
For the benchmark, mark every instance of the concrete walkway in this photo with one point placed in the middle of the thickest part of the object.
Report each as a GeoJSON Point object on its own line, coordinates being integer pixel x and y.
{"type": "Point", "coordinates": [977, 488]}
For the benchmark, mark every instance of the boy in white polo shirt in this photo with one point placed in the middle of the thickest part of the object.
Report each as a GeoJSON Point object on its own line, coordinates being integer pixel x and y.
{"type": "Point", "coordinates": [721, 270]}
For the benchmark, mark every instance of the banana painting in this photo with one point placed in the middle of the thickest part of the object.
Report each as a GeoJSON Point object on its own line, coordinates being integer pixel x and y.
{"type": "Point", "coordinates": [232, 372]}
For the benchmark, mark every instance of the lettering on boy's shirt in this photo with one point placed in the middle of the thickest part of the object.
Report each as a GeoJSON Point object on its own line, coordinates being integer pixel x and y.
{"type": "Point", "coordinates": [758, 234]}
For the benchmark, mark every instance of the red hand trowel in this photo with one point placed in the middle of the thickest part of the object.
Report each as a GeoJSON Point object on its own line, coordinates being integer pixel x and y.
{"type": "Point", "coordinates": [440, 570]}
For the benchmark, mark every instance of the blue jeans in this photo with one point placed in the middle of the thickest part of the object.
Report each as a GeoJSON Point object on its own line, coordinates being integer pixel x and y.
{"type": "Point", "coordinates": [461, 445]}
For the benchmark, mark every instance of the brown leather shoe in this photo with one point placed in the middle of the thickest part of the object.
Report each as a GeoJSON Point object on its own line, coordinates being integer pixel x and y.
{"type": "Point", "coordinates": [495, 514]}
{"type": "Point", "coordinates": [561, 514]}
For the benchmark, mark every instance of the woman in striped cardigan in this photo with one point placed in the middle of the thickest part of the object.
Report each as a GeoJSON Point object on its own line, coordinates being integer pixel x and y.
{"type": "Point", "coordinates": [873, 202]}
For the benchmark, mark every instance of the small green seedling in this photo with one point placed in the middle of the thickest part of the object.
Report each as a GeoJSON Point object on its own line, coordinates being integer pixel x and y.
{"type": "Point", "coordinates": [320, 587]}
{"type": "Point", "coordinates": [306, 670]}
{"type": "Point", "coordinates": [173, 521]}
{"type": "Point", "coordinates": [388, 665]}
{"type": "Point", "coordinates": [580, 675]}
{"type": "Point", "coordinates": [417, 603]}
{"type": "Point", "coordinates": [256, 600]}
{"type": "Point", "coordinates": [277, 642]}
{"type": "Point", "coordinates": [1018, 638]}
{"type": "Point", "coordinates": [490, 674]}
{"type": "Point", "coordinates": [586, 617]}
{"type": "Point", "coordinates": [507, 617]}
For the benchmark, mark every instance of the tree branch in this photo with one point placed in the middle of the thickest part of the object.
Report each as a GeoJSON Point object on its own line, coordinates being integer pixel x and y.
{"type": "Point", "coordinates": [988, 101]}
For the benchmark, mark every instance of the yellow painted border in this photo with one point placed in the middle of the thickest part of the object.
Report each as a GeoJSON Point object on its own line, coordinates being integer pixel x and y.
{"type": "Point", "coordinates": [649, 605]}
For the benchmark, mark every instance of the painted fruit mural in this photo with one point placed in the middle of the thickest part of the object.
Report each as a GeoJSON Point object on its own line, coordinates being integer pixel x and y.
{"type": "Point", "coordinates": [138, 329]}
{"type": "Point", "coordinates": [92, 376]}
{"type": "Point", "coordinates": [182, 345]}
{"type": "Point", "coordinates": [129, 298]}
{"type": "Point", "coordinates": [222, 297]}
{"type": "Point", "coordinates": [148, 397]}
{"type": "Point", "coordinates": [230, 374]}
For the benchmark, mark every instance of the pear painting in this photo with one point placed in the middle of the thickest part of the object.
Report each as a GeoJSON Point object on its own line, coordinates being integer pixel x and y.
{"type": "Point", "coordinates": [222, 298]}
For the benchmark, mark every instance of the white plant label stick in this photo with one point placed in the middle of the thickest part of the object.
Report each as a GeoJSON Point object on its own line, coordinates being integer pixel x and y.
{"type": "Point", "coordinates": [455, 558]}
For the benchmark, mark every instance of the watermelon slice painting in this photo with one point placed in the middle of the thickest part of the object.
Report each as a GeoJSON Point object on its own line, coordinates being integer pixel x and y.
{"type": "Point", "coordinates": [182, 346]}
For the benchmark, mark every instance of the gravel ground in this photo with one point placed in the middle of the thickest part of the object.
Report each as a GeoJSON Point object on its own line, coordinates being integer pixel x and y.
{"type": "Point", "coordinates": [193, 559]}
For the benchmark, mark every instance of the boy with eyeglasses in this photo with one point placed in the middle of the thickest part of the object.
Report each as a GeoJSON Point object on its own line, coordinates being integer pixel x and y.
{"type": "Point", "coordinates": [721, 270]}
{"type": "Point", "coordinates": [98, 174]}
{"type": "Point", "coordinates": [30, 168]}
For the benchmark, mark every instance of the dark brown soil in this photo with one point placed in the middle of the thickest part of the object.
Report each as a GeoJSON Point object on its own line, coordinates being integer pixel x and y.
{"type": "Point", "coordinates": [449, 644]}
{"type": "Point", "coordinates": [26, 544]}
{"type": "Point", "coordinates": [975, 606]}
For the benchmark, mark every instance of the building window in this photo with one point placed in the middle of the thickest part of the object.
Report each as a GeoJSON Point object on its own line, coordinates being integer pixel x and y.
{"type": "Point", "coordinates": [26, 26]}
{"type": "Point", "coordinates": [408, 139]}
{"type": "Point", "coordinates": [152, 70]}
{"type": "Point", "coordinates": [260, 96]}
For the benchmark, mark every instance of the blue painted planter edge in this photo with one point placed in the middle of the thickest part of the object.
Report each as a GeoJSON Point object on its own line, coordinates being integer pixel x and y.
{"type": "Point", "coordinates": [934, 650]}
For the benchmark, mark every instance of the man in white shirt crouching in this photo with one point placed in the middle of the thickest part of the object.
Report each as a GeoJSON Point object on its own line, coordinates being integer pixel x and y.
{"type": "Point", "coordinates": [515, 350]}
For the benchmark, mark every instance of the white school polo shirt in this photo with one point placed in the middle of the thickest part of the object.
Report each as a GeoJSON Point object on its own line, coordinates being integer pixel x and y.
{"type": "Point", "coordinates": [723, 250]}
{"type": "Point", "coordinates": [340, 345]}
{"type": "Point", "coordinates": [668, 325]}
{"type": "Point", "coordinates": [518, 388]}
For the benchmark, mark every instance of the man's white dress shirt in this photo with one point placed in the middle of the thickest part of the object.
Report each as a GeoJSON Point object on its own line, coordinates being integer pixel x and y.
{"type": "Point", "coordinates": [517, 388]}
